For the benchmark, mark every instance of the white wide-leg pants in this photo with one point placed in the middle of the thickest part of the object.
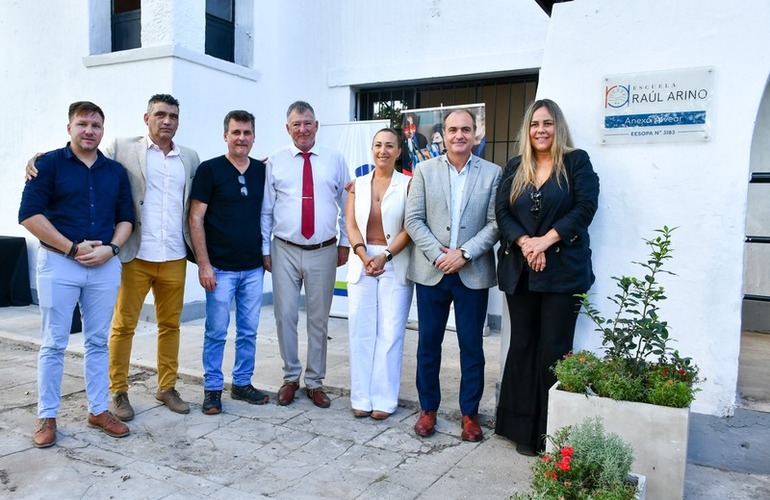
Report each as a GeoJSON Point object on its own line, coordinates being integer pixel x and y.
{"type": "Point", "coordinates": [378, 310]}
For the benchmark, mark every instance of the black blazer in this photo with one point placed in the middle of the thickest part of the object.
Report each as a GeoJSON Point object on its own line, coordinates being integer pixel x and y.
{"type": "Point", "coordinates": [568, 209]}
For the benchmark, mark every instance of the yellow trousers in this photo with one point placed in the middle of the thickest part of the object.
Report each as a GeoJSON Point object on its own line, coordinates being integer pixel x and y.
{"type": "Point", "coordinates": [166, 280]}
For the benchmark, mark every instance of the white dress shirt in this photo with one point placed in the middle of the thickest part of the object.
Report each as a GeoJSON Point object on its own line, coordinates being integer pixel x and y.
{"type": "Point", "coordinates": [457, 185]}
{"type": "Point", "coordinates": [282, 204]}
{"type": "Point", "coordinates": [163, 208]}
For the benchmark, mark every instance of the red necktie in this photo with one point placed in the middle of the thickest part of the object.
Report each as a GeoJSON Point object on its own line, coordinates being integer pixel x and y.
{"type": "Point", "coordinates": [308, 204]}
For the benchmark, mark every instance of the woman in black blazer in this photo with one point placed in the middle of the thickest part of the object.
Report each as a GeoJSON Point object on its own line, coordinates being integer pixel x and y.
{"type": "Point", "coordinates": [545, 202]}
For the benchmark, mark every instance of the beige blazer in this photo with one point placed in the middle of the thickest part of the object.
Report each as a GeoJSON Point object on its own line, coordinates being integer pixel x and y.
{"type": "Point", "coordinates": [428, 220]}
{"type": "Point", "coordinates": [131, 152]}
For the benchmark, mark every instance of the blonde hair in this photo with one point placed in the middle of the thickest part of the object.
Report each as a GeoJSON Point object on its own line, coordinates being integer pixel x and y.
{"type": "Point", "coordinates": [562, 144]}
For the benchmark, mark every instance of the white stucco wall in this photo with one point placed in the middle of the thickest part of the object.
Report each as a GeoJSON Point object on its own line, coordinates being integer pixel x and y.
{"type": "Point", "coordinates": [375, 42]}
{"type": "Point", "coordinates": [701, 187]}
{"type": "Point", "coordinates": [39, 76]}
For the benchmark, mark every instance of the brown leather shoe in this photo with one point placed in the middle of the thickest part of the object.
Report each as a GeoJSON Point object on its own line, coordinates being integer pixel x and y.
{"type": "Point", "coordinates": [426, 423]}
{"type": "Point", "coordinates": [121, 407]}
{"type": "Point", "coordinates": [361, 413]}
{"type": "Point", "coordinates": [286, 393]}
{"type": "Point", "coordinates": [471, 429]}
{"type": "Point", "coordinates": [319, 397]}
{"type": "Point", "coordinates": [45, 433]}
{"type": "Point", "coordinates": [171, 398]}
{"type": "Point", "coordinates": [107, 422]}
{"type": "Point", "coordinates": [380, 415]}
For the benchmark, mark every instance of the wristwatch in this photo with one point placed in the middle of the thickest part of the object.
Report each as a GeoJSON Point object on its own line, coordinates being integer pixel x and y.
{"type": "Point", "coordinates": [388, 254]}
{"type": "Point", "coordinates": [115, 249]}
{"type": "Point", "coordinates": [466, 255]}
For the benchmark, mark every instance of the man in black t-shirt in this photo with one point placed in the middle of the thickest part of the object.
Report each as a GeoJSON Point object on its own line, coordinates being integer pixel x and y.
{"type": "Point", "coordinates": [226, 202]}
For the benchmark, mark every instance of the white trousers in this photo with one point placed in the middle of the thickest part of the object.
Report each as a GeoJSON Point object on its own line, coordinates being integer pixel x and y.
{"type": "Point", "coordinates": [378, 310]}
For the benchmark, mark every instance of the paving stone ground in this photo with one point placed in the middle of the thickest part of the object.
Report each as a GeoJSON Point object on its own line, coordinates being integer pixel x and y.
{"type": "Point", "coordinates": [293, 452]}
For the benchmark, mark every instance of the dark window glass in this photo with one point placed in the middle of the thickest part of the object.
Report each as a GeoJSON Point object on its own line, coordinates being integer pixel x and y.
{"type": "Point", "coordinates": [222, 9]}
{"type": "Point", "coordinates": [120, 6]}
{"type": "Point", "coordinates": [126, 24]}
{"type": "Point", "coordinates": [220, 29]}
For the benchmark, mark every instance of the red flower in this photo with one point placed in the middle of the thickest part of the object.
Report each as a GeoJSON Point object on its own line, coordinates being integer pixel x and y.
{"type": "Point", "coordinates": [567, 451]}
{"type": "Point", "coordinates": [546, 458]}
{"type": "Point", "coordinates": [564, 466]}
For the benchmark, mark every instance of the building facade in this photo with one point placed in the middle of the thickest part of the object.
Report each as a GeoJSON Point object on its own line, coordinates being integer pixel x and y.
{"type": "Point", "coordinates": [353, 60]}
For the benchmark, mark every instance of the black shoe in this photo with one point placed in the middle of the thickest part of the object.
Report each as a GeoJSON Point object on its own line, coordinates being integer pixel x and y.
{"type": "Point", "coordinates": [526, 450]}
{"type": "Point", "coordinates": [212, 402]}
{"type": "Point", "coordinates": [249, 394]}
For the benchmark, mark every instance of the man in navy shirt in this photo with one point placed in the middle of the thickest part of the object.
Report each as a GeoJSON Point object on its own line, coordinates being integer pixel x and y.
{"type": "Point", "coordinates": [80, 208]}
{"type": "Point", "coordinates": [226, 202]}
{"type": "Point", "coordinates": [160, 172]}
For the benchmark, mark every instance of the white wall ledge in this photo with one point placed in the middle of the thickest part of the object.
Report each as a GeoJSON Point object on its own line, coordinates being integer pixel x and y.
{"type": "Point", "coordinates": [172, 52]}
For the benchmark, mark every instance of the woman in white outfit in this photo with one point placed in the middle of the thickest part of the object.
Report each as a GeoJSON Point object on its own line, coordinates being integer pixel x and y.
{"type": "Point", "coordinates": [379, 294]}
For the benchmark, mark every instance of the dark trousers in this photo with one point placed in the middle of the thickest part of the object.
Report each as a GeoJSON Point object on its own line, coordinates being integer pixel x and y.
{"type": "Point", "coordinates": [542, 331]}
{"type": "Point", "coordinates": [433, 311]}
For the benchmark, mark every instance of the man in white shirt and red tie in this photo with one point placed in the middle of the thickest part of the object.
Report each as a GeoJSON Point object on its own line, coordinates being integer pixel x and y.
{"type": "Point", "coordinates": [302, 213]}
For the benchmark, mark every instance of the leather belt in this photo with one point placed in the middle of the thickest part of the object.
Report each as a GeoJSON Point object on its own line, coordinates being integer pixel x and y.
{"type": "Point", "coordinates": [52, 249]}
{"type": "Point", "coordinates": [309, 247]}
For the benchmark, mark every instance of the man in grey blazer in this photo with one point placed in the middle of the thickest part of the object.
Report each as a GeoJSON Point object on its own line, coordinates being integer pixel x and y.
{"type": "Point", "coordinates": [154, 257]}
{"type": "Point", "coordinates": [450, 216]}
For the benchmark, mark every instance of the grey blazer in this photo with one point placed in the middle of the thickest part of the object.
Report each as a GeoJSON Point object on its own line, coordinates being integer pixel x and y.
{"type": "Point", "coordinates": [131, 152]}
{"type": "Point", "coordinates": [427, 221]}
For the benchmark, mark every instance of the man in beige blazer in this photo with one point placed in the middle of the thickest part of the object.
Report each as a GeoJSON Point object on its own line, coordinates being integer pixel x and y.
{"type": "Point", "coordinates": [450, 216]}
{"type": "Point", "coordinates": [154, 257]}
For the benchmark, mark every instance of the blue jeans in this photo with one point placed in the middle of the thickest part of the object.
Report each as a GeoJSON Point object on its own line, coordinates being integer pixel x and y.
{"type": "Point", "coordinates": [246, 288]}
{"type": "Point", "coordinates": [61, 284]}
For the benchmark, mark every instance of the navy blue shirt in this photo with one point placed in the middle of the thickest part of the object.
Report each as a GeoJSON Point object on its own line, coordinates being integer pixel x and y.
{"type": "Point", "coordinates": [82, 203]}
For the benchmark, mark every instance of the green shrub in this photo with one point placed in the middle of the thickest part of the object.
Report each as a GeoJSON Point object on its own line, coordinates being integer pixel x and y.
{"type": "Point", "coordinates": [668, 386]}
{"type": "Point", "coordinates": [614, 380]}
{"type": "Point", "coordinates": [638, 363]}
{"type": "Point", "coordinates": [578, 371]}
{"type": "Point", "coordinates": [586, 464]}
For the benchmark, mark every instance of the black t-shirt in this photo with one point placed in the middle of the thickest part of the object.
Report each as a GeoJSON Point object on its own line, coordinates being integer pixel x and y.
{"type": "Point", "coordinates": [233, 230]}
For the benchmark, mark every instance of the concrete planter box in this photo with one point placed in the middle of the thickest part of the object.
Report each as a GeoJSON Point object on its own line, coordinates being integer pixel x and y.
{"type": "Point", "coordinates": [658, 435]}
{"type": "Point", "coordinates": [641, 484]}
